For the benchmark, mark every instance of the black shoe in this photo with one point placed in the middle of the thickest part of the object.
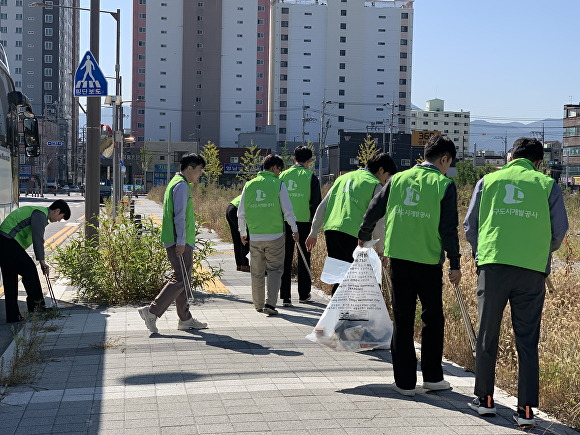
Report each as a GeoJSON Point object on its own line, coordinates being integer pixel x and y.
{"type": "Point", "coordinates": [483, 405]}
{"type": "Point", "coordinates": [15, 319]}
{"type": "Point", "coordinates": [524, 417]}
{"type": "Point", "coordinates": [269, 310]}
{"type": "Point", "coordinates": [287, 303]}
{"type": "Point", "coordinates": [306, 299]}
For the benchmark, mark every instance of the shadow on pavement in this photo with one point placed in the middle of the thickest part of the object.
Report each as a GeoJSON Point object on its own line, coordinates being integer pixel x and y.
{"type": "Point", "coordinates": [230, 343]}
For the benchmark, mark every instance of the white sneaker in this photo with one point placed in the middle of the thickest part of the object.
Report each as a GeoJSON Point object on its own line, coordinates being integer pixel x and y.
{"type": "Point", "coordinates": [410, 393]}
{"type": "Point", "coordinates": [184, 325]}
{"type": "Point", "coordinates": [437, 386]}
{"type": "Point", "coordinates": [149, 319]}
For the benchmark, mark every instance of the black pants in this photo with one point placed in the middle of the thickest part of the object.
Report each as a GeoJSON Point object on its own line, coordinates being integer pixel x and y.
{"type": "Point", "coordinates": [340, 245]}
{"type": "Point", "coordinates": [410, 280]}
{"type": "Point", "coordinates": [240, 250]}
{"type": "Point", "coordinates": [304, 282]}
{"type": "Point", "coordinates": [15, 261]}
{"type": "Point", "coordinates": [525, 290]}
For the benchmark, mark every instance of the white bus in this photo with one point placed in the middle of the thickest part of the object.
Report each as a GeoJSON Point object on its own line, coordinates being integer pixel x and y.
{"type": "Point", "coordinates": [18, 125]}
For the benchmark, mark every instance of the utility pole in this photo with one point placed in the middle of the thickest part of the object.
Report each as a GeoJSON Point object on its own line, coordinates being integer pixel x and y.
{"type": "Point", "coordinates": [393, 105]}
{"type": "Point", "coordinates": [118, 137]}
{"type": "Point", "coordinates": [169, 156]}
{"type": "Point", "coordinates": [304, 121]}
{"type": "Point", "coordinates": [504, 139]}
{"type": "Point", "coordinates": [474, 155]}
{"type": "Point", "coordinates": [322, 137]}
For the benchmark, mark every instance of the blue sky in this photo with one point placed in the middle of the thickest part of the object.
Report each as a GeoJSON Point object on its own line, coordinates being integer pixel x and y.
{"type": "Point", "coordinates": [510, 60]}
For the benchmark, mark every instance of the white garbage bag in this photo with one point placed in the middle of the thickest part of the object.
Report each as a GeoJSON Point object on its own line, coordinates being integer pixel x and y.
{"type": "Point", "coordinates": [356, 317]}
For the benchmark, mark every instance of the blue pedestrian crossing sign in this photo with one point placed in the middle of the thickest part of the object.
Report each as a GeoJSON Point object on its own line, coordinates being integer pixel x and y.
{"type": "Point", "coordinates": [89, 79]}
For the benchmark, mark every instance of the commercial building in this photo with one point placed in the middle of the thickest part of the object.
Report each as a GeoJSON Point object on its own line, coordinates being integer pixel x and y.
{"type": "Point", "coordinates": [571, 144]}
{"type": "Point", "coordinates": [455, 125]}
{"type": "Point", "coordinates": [42, 48]}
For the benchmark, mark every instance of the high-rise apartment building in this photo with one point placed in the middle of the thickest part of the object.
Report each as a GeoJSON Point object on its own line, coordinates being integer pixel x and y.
{"type": "Point", "coordinates": [456, 125]}
{"type": "Point", "coordinates": [42, 48]}
{"type": "Point", "coordinates": [340, 66]}
{"type": "Point", "coordinates": [571, 143]}
{"type": "Point", "coordinates": [202, 69]}
{"type": "Point", "coordinates": [212, 70]}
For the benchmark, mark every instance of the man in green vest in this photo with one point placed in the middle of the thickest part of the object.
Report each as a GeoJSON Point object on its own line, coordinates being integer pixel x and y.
{"type": "Point", "coordinates": [178, 236]}
{"type": "Point", "coordinates": [342, 209]}
{"type": "Point", "coordinates": [240, 251]}
{"type": "Point", "coordinates": [420, 210]}
{"type": "Point", "coordinates": [24, 227]}
{"type": "Point", "coordinates": [304, 192]}
{"type": "Point", "coordinates": [264, 206]}
{"type": "Point", "coordinates": [516, 219]}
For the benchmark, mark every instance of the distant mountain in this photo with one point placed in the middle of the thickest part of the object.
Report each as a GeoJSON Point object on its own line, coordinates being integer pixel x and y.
{"type": "Point", "coordinates": [485, 133]}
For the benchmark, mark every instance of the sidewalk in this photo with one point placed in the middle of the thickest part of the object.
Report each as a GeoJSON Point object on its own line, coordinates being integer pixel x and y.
{"type": "Point", "coordinates": [248, 373]}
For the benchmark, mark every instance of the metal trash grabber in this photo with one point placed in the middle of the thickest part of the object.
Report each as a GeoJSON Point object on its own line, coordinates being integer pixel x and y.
{"type": "Point", "coordinates": [466, 319]}
{"type": "Point", "coordinates": [186, 281]}
{"type": "Point", "coordinates": [551, 288]}
{"type": "Point", "coordinates": [304, 260]}
{"type": "Point", "coordinates": [51, 291]}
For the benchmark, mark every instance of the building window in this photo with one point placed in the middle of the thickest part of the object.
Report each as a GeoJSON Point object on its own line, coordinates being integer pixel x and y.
{"type": "Point", "coordinates": [282, 130]}
{"type": "Point", "coordinates": [48, 86]}
{"type": "Point", "coordinates": [306, 67]}
{"type": "Point", "coordinates": [284, 23]}
{"type": "Point", "coordinates": [402, 95]}
{"type": "Point", "coordinates": [48, 58]}
{"type": "Point", "coordinates": [141, 43]}
{"type": "Point", "coordinates": [48, 31]}
{"type": "Point", "coordinates": [199, 18]}
{"type": "Point", "coordinates": [403, 68]}
{"type": "Point", "coordinates": [381, 43]}
{"type": "Point", "coordinates": [283, 37]}
{"type": "Point", "coordinates": [47, 18]}
{"type": "Point", "coordinates": [404, 29]}
{"type": "Point", "coordinates": [402, 81]}
{"type": "Point", "coordinates": [341, 105]}
{"type": "Point", "coordinates": [48, 72]}
{"type": "Point", "coordinates": [307, 54]}
{"type": "Point", "coordinates": [341, 79]}
{"type": "Point", "coordinates": [142, 16]}
{"type": "Point", "coordinates": [238, 89]}
{"type": "Point", "coordinates": [141, 112]}
{"type": "Point", "coordinates": [342, 66]}
{"type": "Point", "coordinates": [403, 55]}
{"type": "Point", "coordinates": [283, 117]}
{"type": "Point", "coordinates": [285, 10]}
{"type": "Point", "coordinates": [47, 45]}
{"type": "Point", "coordinates": [283, 64]}
{"type": "Point", "coordinates": [199, 32]}
{"type": "Point", "coordinates": [199, 45]}
{"type": "Point", "coordinates": [141, 84]}
{"type": "Point", "coordinates": [283, 103]}
{"type": "Point", "coordinates": [382, 30]}
{"type": "Point", "coordinates": [380, 69]}
{"type": "Point", "coordinates": [341, 119]}
{"type": "Point", "coordinates": [342, 53]}
{"type": "Point", "coordinates": [141, 57]}
{"type": "Point", "coordinates": [403, 42]}
{"type": "Point", "coordinates": [404, 15]}
{"type": "Point", "coordinates": [308, 27]}
{"type": "Point", "coordinates": [261, 62]}
{"type": "Point", "coordinates": [260, 21]}
{"type": "Point", "coordinates": [142, 29]}
{"type": "Point", "coordinates": [341, 92]}
{"type": "Point", "coordinates": [238, 102]}
{"type": "Point", "coordinates": [258, 75]}
{"type": "Point", "coordinates": [199, 59]}
{"type": "Point", "coordinates": [306, 80]}
{"type": "Point", "coordinates": [380, 83]}
{"type": "Point", "coordinates": [283, 50]}
{"type": "Point", "coordinates": [342, 26]}
{"type": "Point", "coordinates": [283, 90]}
{"type": "Point", "coordinates": [343, 39]}
{"type": "Point", "coordinates": [261, 35]}
{"type": "Point", "coordinates": [343, 12]}
{"type": "Point", "coordinates": [283, 77]}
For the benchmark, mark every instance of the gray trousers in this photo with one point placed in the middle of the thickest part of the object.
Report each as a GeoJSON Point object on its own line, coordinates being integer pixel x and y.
{"type": "Point", "coordinates": [174, 290]}
{"type": "Point", "coordinates": [525, 290]}
{"type": "Point", "coordinates": [266, 257]}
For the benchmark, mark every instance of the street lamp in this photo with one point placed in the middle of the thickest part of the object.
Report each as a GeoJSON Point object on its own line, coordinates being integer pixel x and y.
{"type": "Point", "coordinates": [94, 119]}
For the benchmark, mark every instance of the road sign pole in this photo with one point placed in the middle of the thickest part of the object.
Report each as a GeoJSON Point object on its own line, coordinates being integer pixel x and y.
{"type": "Point", "coordinates": [93, 164]}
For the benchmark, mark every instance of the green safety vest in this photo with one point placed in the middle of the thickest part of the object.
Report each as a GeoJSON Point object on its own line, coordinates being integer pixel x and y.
{"type": "Point", "coordinates": [236, 201]}
{"type": "Point", "coordinates": [348, 201]}
{"type": "Point", "coordinates": [413, 215]}
{"type": "Point", "coordinates": [168, 226]}
{"type": "Point", "coordinates": [297, 179]}
{"type": "Point", "coordinates": [514, 217]}
{"type": "Point", "coordinates": [17, 224]}
{"type": "Point", "coordinates": [262, 204]}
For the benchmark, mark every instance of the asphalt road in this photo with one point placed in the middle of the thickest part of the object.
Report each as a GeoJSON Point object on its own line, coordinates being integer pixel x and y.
{"type": "Point", "coordinates": [55, 233]}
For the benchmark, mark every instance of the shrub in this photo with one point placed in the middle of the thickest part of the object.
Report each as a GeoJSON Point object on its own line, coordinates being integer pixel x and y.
{"type": "Point", "coordinates": [129, 264]}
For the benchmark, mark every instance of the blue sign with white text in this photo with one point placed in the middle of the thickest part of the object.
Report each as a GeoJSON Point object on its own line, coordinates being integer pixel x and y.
{"type": "Point", "coordinates": [89, 79]}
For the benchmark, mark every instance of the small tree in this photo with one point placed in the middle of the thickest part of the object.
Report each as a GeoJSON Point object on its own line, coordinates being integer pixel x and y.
{"type": "Point", "coordinates": [251, 163]}
{"type": "Point", "coordinates": [465, 174]}
{"type": "Point", "coordinates": [213, 168]}
{"type": "Point", "coordinates": [366, 150]}
{"type": "Point", "coordinates": [145, 158]}
{"type": "Point", "coordinates": [286, 156]}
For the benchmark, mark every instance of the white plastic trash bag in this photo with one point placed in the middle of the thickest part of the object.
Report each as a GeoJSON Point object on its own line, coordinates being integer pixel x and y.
{"type": "Point", "coordinates": [356, 317]}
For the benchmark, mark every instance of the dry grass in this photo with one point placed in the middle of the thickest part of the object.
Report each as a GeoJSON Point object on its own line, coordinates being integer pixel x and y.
{"type": "Point", "coordinates": [559, 346]}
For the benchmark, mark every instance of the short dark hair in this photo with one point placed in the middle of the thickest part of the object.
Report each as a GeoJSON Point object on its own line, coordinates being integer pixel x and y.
{"type": "Point", "coordinates": [381, 160]}
{"type": "Point", "coordinates": [438, 146]}
{"type": "Point", "coordinates": [528, 148]}
{"type": "Point", "coordinates": [62, 206]}
{"type": "Point", "coordinates": [192, 160]}
{"type": "Point", "coordinates": [302, 154]}
{"type": "Point", "coordinates": [272, 160]}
